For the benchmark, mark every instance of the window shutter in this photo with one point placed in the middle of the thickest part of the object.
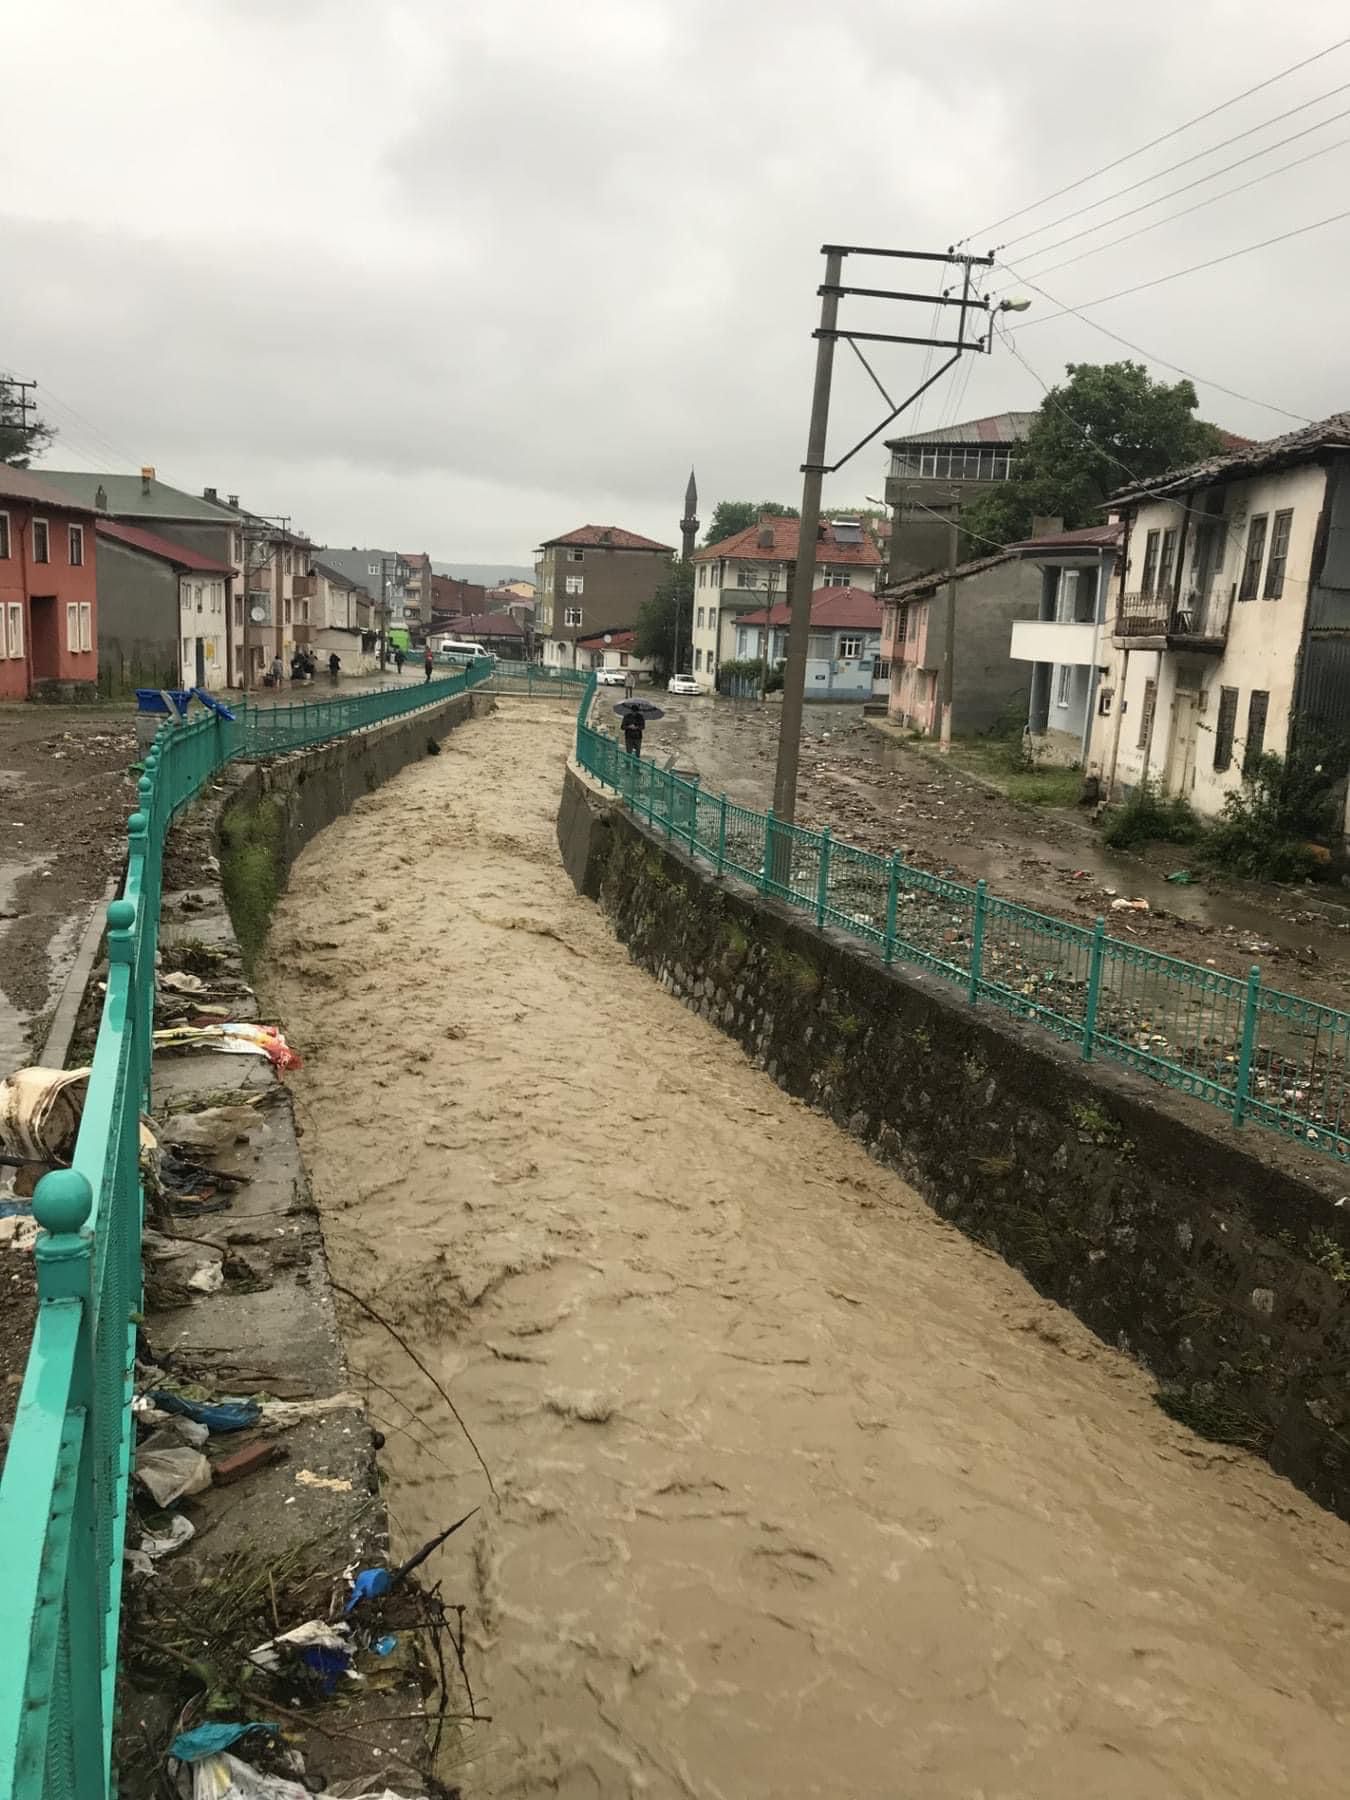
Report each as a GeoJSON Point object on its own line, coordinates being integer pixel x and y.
{"type": "Point", "coordinates": [1224, 727]}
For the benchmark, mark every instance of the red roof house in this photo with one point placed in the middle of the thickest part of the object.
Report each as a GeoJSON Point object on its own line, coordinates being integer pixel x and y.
{"type": "Point", "coordinates": [48, 602]}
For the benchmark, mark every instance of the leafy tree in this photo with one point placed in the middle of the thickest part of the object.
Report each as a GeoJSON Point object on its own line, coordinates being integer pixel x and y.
{"type": "Point", "coordinates": [18, 446]}
{"type": "Point", "coordinates": [1107, 425]}
{"type": "Point", "coordinates": [731, 516]}
{"type": "Point", "coordinates": [664, 622]}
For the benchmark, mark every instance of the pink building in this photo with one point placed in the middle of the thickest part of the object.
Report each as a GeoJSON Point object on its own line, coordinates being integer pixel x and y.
{"type": "Point", "coordinates": [48, 603]}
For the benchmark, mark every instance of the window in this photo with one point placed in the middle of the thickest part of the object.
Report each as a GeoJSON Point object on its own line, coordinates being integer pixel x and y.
{"type": "Point", "coordinates": [1067, 599]}
{"type": "Point", "coordinates": [702, 574]}
{"type": "Point", "coordinates": [372, 568]}
{"type": "Point", "coordinates": [747, 577]}
{"type": "Point", "coordinates": [76, 546]}
{"type": "Point", "coordinates": [1279, 555]}
{"type": "Point", "coordinates": [1149, 576]}
{"type": "Point", "coordinates": [623, 659]}
{"type": "Point", "coordinates": [850, 647]}
{"type": "Point", "coordinates": [1165, 559]}
{"type": "Point", "coordinates": [285, 612]}
{"type": "Point", "coordinates": [576, 584]}
{"type": "Point", "coordinates": [910, 624]}
{"type": "Point", "coordinates": [41, 545]}
{"type": "Point", "coordinates": [572, 615]}
{"type": "Point", "coordinates": [1146, 713]}
{"type": "Point", "coordinates": [881, 669]}
{"type": "Point", "coordinates": [1256, 549]}
{"type": "Point", "coordinates": [239, 609]}
{"type": "Point", "coordinates": [1223, 728]}
{"type": "Point", "coordinates": [836, 578]}
{"type": "Point", "coordinates": [699, 625]}
{"type": "Point", "coordinates": [1063, 684]}
{"type": "Point", "coordinates": [4, 555]}
{"type": "Point", "coordinates": [15, 635]}
{"type": "Point", "coordinates": [86, 625]}
{"type": "Point", "coordinates": [72, 626]}
{"type": "Point", "coordinates": [576, 556]}
{"type": "Point", "coordinates": [1257, 708]}
{"type": "Point", "coordinates": [698, 659]}
{"type": "Point", "coordinates": [187, 653]}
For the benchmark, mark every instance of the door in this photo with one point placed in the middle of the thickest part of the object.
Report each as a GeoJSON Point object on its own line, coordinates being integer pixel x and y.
{"type": "Point", "coordinates": [1181, 749]}
{"type": "Point", "coordinates": [200, 675]}
{"type": "Point", "coordinates": [46, 638]}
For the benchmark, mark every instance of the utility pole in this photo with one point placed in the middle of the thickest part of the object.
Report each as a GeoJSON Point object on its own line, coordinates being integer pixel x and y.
{"type": "Point", "coordinates": [815, 468]}
{"type": "Point", "coordinates": [768, 633]}
{"type": "Point", "coordinates": [949, 648]}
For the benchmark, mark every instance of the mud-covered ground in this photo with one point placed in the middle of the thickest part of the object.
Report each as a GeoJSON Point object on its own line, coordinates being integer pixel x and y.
{"type": "Point", "coordinates": [877, 792]}
{"type": "Point", "coordinates": [797, 1492]}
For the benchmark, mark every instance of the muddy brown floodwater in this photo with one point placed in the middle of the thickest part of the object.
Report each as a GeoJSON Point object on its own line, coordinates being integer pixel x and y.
{"type": "Point", "coordinates": [800, 1493]}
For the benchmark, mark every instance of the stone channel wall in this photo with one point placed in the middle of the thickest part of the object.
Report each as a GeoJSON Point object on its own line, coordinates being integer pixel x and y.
{"type": "Point", "coordinates": [278, 806]}
{"type": "Point", "coordinates": [1220, 1259]}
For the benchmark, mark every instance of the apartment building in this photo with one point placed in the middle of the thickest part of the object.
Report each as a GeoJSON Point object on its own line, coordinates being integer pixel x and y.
{"type": "Point", "coordinates": [593, 579]}
{"type": "Point", "coordinates": [1066, 643]}
{"type": "Point", "coordinates": [934, 474]}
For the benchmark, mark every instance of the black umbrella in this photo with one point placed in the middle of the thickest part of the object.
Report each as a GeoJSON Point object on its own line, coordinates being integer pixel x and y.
{"type": "Point", "coordinates": [645, 707]}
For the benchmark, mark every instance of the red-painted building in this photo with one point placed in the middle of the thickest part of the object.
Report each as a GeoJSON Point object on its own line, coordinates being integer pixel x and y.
{"type": "Point", "coordinates": [48, 604]}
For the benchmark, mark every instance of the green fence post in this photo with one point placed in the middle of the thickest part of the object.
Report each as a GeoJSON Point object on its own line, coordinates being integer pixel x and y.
{"type": "Point", "coordinates": [721, 834]}
{"type": "Point", "coordinates": [823, 878]}
{"type": "Point", "coordinates": [977, 943]}
{"type": "Point", "coordinates": [669, 775]}
{"type": "Point", "coordinates": [693, 814]}
{"type": "Point", "coordinates": [766, 871]}
{"type": "Point", "coordinates": [892, 895]}
{"type": "Point", "coordinates": [1244, 1068]}
{"type": "Point", "coordinates": [1094, 987]}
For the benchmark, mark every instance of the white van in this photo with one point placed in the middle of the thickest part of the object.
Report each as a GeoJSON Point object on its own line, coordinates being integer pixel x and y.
{"type": "Point", "coordinates": [461, 649]}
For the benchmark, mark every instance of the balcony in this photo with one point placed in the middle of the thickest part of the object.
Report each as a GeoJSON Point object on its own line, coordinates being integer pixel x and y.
{"type": "Point", "coordinates": [302, 634]}
{"type": "Point", "coordinates": [1191, 621]}
{"type": "Point", "coordinates": [1053, 641]}
{"type": "Point", "coordinates": [303, 586]}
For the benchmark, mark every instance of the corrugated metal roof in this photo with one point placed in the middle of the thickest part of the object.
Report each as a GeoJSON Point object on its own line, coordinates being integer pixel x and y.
{"type": "Point", "coordinates": [1304, 445]}
{"type": "Point", "coordinates": [998, 428]}
{"type": "Point", "coordinates": [1086, 536]}
{"type": "Point", "coordinates": [125, 496]}
{"type": "Point", "coordinates": [22, 484]}
{"type": "Point", "coordinates": [922, 584]}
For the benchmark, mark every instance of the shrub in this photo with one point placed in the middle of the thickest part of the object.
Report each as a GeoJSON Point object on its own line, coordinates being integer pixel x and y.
{"type": "Point", "coordinates": [1265, 828]}
{"type": "Point", "coordinates": [1151, 817]}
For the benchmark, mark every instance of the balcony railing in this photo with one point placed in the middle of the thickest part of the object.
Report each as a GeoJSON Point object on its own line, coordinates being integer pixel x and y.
{"type": "Point", "coordinates": [1189, 621]}
{"type": "Point", "coordinates": [302, 587]}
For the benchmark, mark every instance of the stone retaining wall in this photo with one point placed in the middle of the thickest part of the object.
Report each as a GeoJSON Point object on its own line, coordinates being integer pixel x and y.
{"type": "Point", "coordinates": [1220, 1259]}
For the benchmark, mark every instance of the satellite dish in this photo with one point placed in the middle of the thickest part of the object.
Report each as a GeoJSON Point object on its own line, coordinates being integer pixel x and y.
{"type": "Point", "coordinates": [257, 614]}
{"type": "Point", "coordinates": [609, 637]}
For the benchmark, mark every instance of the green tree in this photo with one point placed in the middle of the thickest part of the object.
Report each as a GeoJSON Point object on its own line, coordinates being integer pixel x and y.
{"type": "Point", "coordinates": [1108, 424]}
{"type": "Point", "coordinates": [20, 443]}
{"type": "Point", "coordinates": [731, 516]}
{"type": "Point", "coordinates": [664, 622]}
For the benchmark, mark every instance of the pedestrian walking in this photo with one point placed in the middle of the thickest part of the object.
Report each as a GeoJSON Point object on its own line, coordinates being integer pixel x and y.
{"type": "Point", "coordinates": [629, 683]}
{"type": "Point", "coordinates": [334, 666]}
{"type": "Point", "coordinates": [633, 727]}
{"type": "Point", "coordinates": [398, 659]}
{"type": "Point", "coordinates": [428, 663]}
{"type": "Point", "coordinates": [278, 672]}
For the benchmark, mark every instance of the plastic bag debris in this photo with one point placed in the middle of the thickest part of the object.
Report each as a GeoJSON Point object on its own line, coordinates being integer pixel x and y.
{"type": "Point", "coordinates": [336, 1484]}
{"type": "Point", "coordinates": [386, 1645]}
{"type": "Point", "coordinates": [236, 1037]}
{"type": "Point", "coordinates": [207, 1278]}
{"type": "Point", "coordinates": [178, 981]}
{"type": "Point", "coordinates": [168, 1469]}
{"type": "Point", "coordinates": [215, 1415]}
{"type": "Point", "coordinates": [40, 1111]}
{"type": "Point", "coordinates": [210, 1739]}
{"type": "Point", "coordinates": [19, 1233]}
{"type": "Point", "coordinates": [224, 1777]}
{"type": "Point", "coordinates": [1123, 905]}
{"type": "Point", "coordinates": [1182, 877]}
{"type": "Point", "coordinates": [323, 1648]}
{"type": "Point", "coordinates": [291, 1412]}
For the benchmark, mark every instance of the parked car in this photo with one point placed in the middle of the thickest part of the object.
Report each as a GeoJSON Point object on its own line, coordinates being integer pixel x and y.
{"type": "Point", "coordinates": [683, 684]}
{"type": "Point", "coordinates": [610, 677]}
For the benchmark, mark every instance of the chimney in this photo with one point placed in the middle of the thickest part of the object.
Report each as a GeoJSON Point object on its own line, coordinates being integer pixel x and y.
{"type": "Point", "coordinates": [147, 476]}
{"type": "Point", "coordinates": [232, 499]}
{"type": "Point", "coordinates": [765, 539]}
{"type": "Point", "coordinates": [210, 494]}
{"type": "Point", "coordinates": [101, 497]}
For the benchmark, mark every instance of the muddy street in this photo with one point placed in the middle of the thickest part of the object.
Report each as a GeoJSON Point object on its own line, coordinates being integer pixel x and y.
{"type": "Point", "coordinates": [798, 1492]}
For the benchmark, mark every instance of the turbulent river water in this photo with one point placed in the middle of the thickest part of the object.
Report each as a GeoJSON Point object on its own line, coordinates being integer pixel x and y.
{"type": "Point", "coordinates": [799, 1492]}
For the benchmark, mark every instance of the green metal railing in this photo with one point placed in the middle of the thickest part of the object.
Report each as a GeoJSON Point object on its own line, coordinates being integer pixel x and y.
{"type": "Point", "coordinates": [63, 1495]}
{"type": "Point", "coordinates": [1265, 1057]}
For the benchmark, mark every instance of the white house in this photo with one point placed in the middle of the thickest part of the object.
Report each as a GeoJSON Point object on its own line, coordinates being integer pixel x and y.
{"type": "Point", "coordinates": [339, 616]}
{"type": "Point", "coordinates": [1230, 631]}
{"type": "Point", "coordinates": [753, 568]}
{"type": "Point", "coordinates": [1068, 645]}
{"type": "Point", "coordinates": [612, 650]}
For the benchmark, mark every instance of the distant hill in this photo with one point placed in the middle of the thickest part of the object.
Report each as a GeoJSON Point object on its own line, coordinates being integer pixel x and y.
{"type": "Point", "coordinates": [485, 574]}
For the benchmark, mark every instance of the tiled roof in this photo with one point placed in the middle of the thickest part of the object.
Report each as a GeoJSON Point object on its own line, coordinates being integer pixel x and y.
{"type": "Point", "coordinates": [999, 428]}
{"type": "Point", "coordinates": [1304, 445]}
{"type": "Point", "coordinates": [917, 585]}
{"type": "Point", "coordinates": [21, 484]}
{"type": "Point", "coordinates": [832, 608]}
{"type": "Point", "coordinates": [152, 544]}
{"type": "Point", "coordinates": [606, 537]}
{"type": "Point", "coordinates": [1086, 536]}
{"type": "Point", "coordinates": [608, 640]}
{"type": "Point", "coordinates": [744, 546]}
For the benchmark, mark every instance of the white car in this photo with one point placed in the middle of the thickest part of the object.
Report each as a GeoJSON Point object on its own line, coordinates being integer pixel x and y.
{"type": "Point", "coordinates": [610, 677]}
{"type": "Point", "coordinates": [683, 684]}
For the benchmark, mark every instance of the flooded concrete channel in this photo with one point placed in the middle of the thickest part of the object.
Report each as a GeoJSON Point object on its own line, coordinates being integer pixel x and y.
{"type": "Point", "coordinates": [798, 1492]}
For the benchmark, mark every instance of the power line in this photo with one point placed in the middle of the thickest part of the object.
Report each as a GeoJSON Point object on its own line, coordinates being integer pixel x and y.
{"type": "Point", "coordinates": [1213, 262]}
{"type": "Point", "coordinates": [1165, 136]}
{"type": "Point", "coordinates": [1151, 355]}
{"type": "Point", "coordinates": [1186, 161]}
{"type": "Point", "coordinates": [1200, 180]}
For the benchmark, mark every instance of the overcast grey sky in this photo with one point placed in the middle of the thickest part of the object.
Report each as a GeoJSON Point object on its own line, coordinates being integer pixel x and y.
{"type": "Point", "coordinates": [455, 275]}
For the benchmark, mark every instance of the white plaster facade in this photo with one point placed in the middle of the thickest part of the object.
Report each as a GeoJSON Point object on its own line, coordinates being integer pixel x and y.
{"type": "Point", "coordinates": [201, 631]}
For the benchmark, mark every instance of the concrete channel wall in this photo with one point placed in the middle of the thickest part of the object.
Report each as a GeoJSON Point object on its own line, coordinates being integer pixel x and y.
{"type": "Point", "coordinates": [1220, 1259]}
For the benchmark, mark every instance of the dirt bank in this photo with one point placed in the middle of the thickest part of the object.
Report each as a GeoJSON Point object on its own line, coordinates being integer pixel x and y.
{"type": "Point", "coordinates": [800, 1493]}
